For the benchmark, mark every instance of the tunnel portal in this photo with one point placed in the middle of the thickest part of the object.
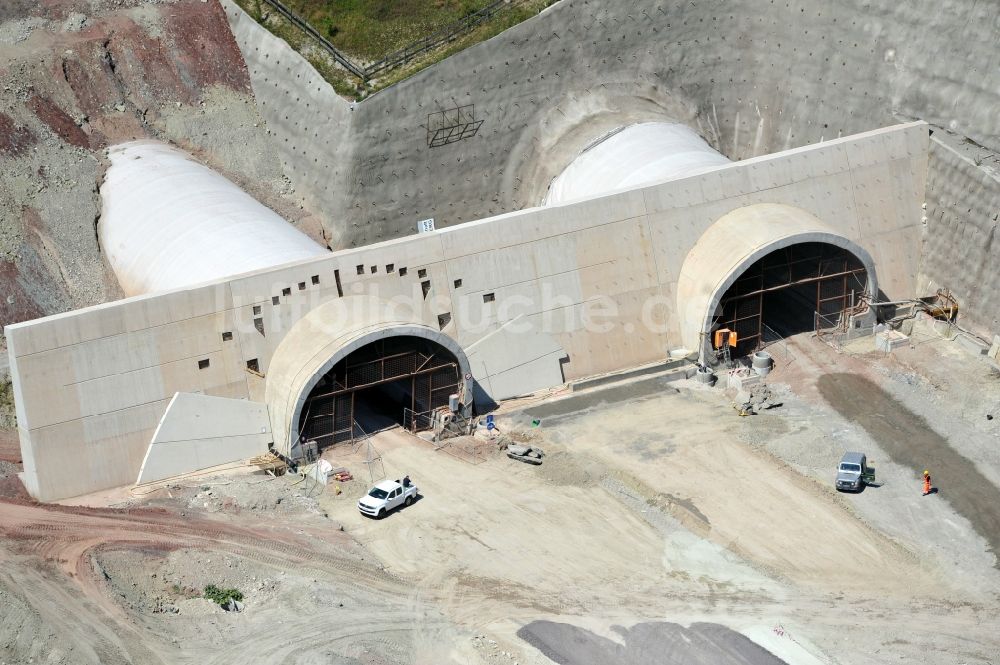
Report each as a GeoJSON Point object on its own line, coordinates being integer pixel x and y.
{"type": "Point", "coordinates": [389, 382]}
{"type": "Point", "coordinates": [795, 289]}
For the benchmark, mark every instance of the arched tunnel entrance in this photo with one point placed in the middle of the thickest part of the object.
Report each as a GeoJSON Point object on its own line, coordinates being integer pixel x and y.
{"type": "Point", "coordinates": [794, 289]}
{"type": "Point", "coordinates": [769, 270]}
{"type": "Point", "coordinates": [379, 385]}
{"type": "Point", "coordinates": [359, 356]}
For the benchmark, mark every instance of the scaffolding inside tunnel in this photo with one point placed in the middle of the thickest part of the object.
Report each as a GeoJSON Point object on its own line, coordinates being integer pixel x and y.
{"type": "Point", "coordinates": [372, 388]}
{"type": "Point", "coordinates": [784, 292]}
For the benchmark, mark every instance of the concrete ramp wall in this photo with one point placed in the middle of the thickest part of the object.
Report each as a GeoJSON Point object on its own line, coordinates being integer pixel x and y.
{"type": "Point", "coordinates": [515, 359]}
{"type": "Point", "coordinates": [199, 431]}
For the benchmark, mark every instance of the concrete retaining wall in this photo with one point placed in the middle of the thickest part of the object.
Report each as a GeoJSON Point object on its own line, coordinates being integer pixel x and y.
{"type": "Point", "coordinates": [961, 250]}
{"type": "Point", "coordinates": [199, 432]}
{"type": "Point", "coordinates": [753, 77]}
{"type": "Point", "coordinates": [597, 277]}
{"type": "Point", "coordinates": [308, 122]}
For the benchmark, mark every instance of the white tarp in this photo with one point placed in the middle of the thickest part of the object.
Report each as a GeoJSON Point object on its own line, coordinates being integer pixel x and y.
{"type": "Point", "coordinates": [168, 222]}
{"type": "Point", "coordinates": [636, 155]}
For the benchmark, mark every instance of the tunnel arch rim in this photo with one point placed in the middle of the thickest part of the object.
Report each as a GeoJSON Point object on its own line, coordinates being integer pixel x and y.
{"type": "Point", "coordinates": [385, 331]}
{"type": "Point", "coordinates": [825, 237]}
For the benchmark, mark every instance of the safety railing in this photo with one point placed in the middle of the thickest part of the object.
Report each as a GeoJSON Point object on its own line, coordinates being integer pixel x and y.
{"type": "Point", "coordinates": [302, 25]}
{"type": "Point", "coordinates": [830, 329]}
{"type": "Point", "coordinates": [410, 51]}
{"type": "Point", "coordinates": [445, 34]}
{"type": "Point", "coordinates": [373, 458]}
{"type": "Point", "coordinates": [774, 342]}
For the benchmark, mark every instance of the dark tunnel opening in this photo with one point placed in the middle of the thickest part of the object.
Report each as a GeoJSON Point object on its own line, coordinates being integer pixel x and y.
{"type": "Point", "coordinates": [387, 383]}
{"type": "Point", "coordinates": [790, 291]}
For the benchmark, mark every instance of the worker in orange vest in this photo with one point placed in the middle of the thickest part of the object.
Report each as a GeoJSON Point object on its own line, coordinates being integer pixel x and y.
{"type": "Point", "coordinates": [927, 482]}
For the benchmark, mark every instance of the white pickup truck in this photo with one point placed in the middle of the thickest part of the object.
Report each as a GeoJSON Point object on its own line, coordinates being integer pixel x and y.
{"type": "Point", "coordinates": [387, 496]}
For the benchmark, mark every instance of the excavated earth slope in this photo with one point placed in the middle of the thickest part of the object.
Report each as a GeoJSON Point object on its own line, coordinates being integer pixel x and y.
{"type": "Point", "coordinates": [77, 76]}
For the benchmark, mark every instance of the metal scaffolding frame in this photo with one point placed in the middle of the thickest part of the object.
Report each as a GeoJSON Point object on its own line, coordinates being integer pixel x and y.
{"type": "Point", "coordinates": [838, 276]}
{"type": "Point", "coordinates": [329, 414]}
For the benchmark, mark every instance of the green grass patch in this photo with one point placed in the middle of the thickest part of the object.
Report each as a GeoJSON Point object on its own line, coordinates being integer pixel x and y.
{"type": "Point", "coordinates": [222, 596]}
{"type": "Point", "coordinates": [481, 33]}
{"type": "Point", "coordinates": [368, 30]}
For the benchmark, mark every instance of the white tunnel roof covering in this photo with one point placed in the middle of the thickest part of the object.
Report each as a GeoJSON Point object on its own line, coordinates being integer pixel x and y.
{"type": "Point", "coordinates": [169, 222]}
{"type": "Point", "coordinates": [632, 156]}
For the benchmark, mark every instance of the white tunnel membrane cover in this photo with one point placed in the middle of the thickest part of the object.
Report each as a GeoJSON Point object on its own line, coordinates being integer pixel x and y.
{"type": "Point", "coordinates": [168, 222]}
{"type": "Point", "coordinates": [636, 155]}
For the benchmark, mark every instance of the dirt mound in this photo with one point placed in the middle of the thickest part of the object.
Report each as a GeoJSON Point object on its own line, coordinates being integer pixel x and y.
{"type": "Point", "coordinates": [10, 463]}
{"type": "Point", "coordinates": [255, 494]}
{"type": "Point", "coordinates": [162, 580]}
{"type": "Point", "coordinates": [96, 585]}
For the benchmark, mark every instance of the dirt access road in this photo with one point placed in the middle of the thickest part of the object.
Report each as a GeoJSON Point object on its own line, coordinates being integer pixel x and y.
{"type": "Point", "coordinates": [657, 502]}
{"type": "Point", "coordinates": [660, 528]}
{"type": "Point", "coordinates": [104, 586]}
{"type": "Point", "coordinates": [911, 441]}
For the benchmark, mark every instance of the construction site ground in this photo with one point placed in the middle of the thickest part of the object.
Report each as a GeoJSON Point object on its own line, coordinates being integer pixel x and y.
{"type": "Point", "coordinates": [661, 527]}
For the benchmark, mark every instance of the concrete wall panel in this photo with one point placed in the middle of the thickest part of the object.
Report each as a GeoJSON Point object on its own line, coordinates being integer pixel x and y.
{"type": "Point", "coordinates": [81, 456]}
{"type": "Point", "coordinates": [515, 359]}
{"type": "Point", "coordinates": [609, 335]}
{"type": "Point", "coordinates": [199, 432]}
{"type": "Point", "coordinates": [560, 268]}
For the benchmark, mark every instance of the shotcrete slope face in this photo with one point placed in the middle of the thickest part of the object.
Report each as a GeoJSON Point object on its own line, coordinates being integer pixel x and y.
{"type": "Point", "coordinates": [169, 222]}
{"type": "Point", "coordinates": [638, 155]}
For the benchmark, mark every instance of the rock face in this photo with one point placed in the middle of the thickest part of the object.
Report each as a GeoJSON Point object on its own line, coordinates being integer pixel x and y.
{"type": "Point", "coordinates": [77, 76]}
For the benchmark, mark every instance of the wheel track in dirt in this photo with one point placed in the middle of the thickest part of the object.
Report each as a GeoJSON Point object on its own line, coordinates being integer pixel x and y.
{"type": "Point", "coordinates": [48, 532]}
{"type": "Point", "coordinates": [46, 601]}
{"type": "Point", "coordinates": [65, 539]}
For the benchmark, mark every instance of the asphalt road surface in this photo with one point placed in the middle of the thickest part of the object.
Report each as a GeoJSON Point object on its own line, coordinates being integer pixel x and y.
{"type": "Point", "coordinates": [654, 643]}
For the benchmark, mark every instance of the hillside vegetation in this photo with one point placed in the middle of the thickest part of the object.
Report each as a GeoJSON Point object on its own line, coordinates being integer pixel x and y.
{"type": "Point", "coordinates": [368, 30]}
